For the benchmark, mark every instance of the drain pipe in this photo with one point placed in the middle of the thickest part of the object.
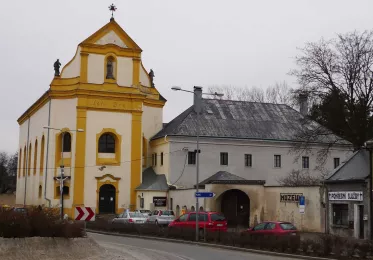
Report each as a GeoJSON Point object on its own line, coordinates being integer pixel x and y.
{"type": "Point", "coordinates": [46, 159]}
{"type": "Point", "coordinates": [27, 161]}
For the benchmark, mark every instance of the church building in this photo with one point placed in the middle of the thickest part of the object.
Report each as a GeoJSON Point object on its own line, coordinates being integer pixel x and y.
{"type": "Point", "coordinates": [95, 121]}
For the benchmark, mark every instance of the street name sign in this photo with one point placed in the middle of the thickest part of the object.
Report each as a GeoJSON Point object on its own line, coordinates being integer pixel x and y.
{"type": "Point", "coordinates": [204, 194]}
{"type": "Point", "coordinates": [85, 213]}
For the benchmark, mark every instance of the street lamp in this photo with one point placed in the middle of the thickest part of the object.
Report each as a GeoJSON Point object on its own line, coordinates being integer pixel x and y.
{"type": "Point", "coordinates": [369, 147]}
{"type": "Point", "coordinates": [62, 178]}
{"type": "Point", "coordinates": [197, 108]}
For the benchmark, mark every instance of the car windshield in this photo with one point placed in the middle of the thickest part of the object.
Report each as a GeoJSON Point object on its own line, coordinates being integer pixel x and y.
{"type": "Point", "coordinates": [136, 215]}
{"type": "Point", "coordinates": [287, 226]}
{"type": "Point", "coordinates": [145, 211]}
{"type": "Point", "coordinates": [217, 217]}
{"type": "Point", "coordinates": [168, 213]}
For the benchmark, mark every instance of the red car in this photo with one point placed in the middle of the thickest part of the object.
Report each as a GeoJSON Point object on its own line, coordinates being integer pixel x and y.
{"type": "Point", "coordinates": [277, 228]}
{"type": "Point", "coordinates": [212, 221]}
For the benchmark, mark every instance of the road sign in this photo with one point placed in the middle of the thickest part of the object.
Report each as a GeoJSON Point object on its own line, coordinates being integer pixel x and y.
{"type": "Point", "coordinates": [302, 204]}
{"type": "Point", "coordinates": [85, 213]}
{"type": "Point", "coordinates": [204, 194]}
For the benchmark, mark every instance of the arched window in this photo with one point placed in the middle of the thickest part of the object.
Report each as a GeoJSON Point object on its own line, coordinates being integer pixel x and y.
{"type": "Point", "coordinates": [106, 144]}
{"type": "Point", "coordinates": [40, 191]}
{"type": "Point", "coordinates": [110, 66]}
{"type": "Point", "coordinates": [20, 163]}
{"type": "Point", "coordinates": [66, 142]}
{"type": "Point", "coordinates": [41, 167]}
{"type": "Point", "coordinates": [35, 156]}
{"type": "Point", "coordinates": [66, 190]}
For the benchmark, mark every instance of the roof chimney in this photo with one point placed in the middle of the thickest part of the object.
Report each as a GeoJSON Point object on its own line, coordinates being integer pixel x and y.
{"type": "Point", "coordinates": [303, 103]}
{"type": "Point", "coordinates": [197, 99]}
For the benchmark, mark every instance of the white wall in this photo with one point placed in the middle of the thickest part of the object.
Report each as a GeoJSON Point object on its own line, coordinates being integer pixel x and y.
{"type": "Point", "coordinates": [122, 123]}
{"type": "Point", "coordinates": [148, 199]}
{"type": "Point", "coordinates": [96, 68]}
{"type": "Point", "coordinates": [165, 168]}
{"type": "Point", "coordinates": [144, 79]}
{"type": "Point", "coordinates": [111, 37]}
{"type": "Point", "coordinates": [262, 160]}
{"type": "Point", "coordinates": [152, 121]}
{"type": "Point", "coordinates": [124, 72]}
{"type": "Point", "coordinates": [72, 70]}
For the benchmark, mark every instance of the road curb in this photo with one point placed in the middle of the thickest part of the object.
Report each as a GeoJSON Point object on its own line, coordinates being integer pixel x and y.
{"type": "Point", "coordinates": [261, 252]}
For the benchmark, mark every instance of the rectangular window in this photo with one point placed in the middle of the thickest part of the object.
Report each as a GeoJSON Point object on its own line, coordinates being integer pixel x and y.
{"type": "Point", "coordinates": [155, 159]}
{"type": "Point", "coordinates": [161, 158]}
{"type": "Point", "coordinates": [340, 214]}
{"type": "Point", "coordinates": [336, 162]}
{"type": "Point", "coordinates": [142, 203]}
{"type": "Point", "coordinates": [223, 158]}
{"type": "Point", "coordinates": [277, 162]}
{"type": "Point", "coordinates": [305, 162]}
{"type": "Point", "coordinates": [248, 160]}
{"type": "Point", "coordinates": [191, 158]}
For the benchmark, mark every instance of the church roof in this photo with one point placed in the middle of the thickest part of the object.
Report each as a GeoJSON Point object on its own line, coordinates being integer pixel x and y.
{"type": "Point", "coordinates": [153, 181]}
{"type": "Point", "coordinates": [223, 177]}
{"type": "Point", "coordinates": [355, 168]}
{"type": "Point", "coordinates": [242, 120]}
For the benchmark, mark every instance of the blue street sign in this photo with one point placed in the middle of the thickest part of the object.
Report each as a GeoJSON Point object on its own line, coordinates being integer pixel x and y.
{"type": "Point", "coordinates": [204, 194]}
{"type": "Point", "coordinates": [302, 201]}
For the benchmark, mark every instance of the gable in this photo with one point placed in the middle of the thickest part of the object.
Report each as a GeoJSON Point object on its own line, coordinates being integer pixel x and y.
{"type": "Point", "coordinates": [111, 33]}
{"type": "Point", "coordinates": [111, 38]}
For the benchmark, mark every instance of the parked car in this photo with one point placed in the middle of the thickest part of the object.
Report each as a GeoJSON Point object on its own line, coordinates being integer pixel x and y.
{"type": "Point", "coordinates": [277, 228]}
{"type": "Point", "coordinates": [161, 217]}
{"type": "Point", "coordinates": [211, 221]}
{"type": "Point", "coordinates": [145, 212]}
{"type": "Point", "coordinates": [129, 218]}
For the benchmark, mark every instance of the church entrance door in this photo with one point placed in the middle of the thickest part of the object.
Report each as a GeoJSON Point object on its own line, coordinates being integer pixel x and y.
{"type": "Point", "coordinates": [107, 199]}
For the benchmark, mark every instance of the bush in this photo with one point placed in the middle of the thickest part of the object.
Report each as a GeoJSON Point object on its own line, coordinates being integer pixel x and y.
{"type": "Point", "coordinates": [37, 222]}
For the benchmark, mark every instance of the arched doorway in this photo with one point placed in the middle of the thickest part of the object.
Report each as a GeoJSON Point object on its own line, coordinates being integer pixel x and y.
{"type": "Point", "coordinates": [107, 199]}
{"type": "Point", "coordinates": [235, 205]}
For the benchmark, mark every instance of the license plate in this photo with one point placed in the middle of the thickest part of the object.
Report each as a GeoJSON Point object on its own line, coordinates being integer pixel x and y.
{"type": "Point", "coordinates": [219, 225]}
{"type": "Point", "coordinates": [139, 221]}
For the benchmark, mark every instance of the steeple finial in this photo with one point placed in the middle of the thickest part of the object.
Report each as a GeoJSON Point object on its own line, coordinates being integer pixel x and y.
{"type": "Point", "coordinates": [112, 9]}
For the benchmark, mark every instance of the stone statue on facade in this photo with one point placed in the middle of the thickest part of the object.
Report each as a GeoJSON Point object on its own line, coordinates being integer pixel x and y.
{"type": "Point", "coordinates": [57, 66]}
{"type": "Point", "coordinates": [151, 76]}
{"type": "Point", "coordinates": [109, 70]}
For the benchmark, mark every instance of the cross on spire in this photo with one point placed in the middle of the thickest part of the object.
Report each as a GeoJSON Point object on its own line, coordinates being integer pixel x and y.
{"type": "Point", "coordinates": [112, 9]}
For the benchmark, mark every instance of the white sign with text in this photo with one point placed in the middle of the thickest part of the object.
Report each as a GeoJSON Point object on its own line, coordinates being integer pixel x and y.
{"type": "Point", "coordinates": [346, 195]}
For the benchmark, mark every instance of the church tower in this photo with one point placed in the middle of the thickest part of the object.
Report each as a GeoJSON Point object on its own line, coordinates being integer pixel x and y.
{"type": "Point", "coordinates": [101, 110]}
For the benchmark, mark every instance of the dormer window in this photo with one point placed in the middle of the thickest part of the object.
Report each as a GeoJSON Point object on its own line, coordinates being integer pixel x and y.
{"type": "Point", "coordinates": [110, 68]}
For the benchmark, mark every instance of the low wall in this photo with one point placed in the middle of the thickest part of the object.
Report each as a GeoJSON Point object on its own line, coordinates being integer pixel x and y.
{"type": "Point", "coordinates": [39, 248]}
{"type": "Point", "coordinates": [8, 199]}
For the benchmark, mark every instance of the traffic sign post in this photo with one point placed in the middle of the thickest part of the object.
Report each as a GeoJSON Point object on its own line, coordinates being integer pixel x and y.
{"type": "Point", "coordinates": [85, 213]}
{"type": "Point", "coordinates": [204, 195]}
{"type": "Point", "coordinates": [302, 204]}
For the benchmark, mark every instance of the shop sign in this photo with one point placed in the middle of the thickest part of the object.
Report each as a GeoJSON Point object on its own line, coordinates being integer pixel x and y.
{"type": "Point", "coordinates": [290, 197]}
{"type": "Point", "coordinates": [160, 201]}
{"type": "Point", "coordinates": [346, 195]}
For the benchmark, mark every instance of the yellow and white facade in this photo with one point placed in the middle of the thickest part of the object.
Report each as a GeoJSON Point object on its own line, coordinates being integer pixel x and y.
{"type": "Point", "coordinates": [122, 111]}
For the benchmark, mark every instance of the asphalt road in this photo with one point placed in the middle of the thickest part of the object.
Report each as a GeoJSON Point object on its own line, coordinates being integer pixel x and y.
{"type": "Point", "coordinates": [145, 249]}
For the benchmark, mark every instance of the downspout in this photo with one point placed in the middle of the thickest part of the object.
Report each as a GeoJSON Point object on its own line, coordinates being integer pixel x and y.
{"type": "Point", "coordinates": [46, 159]}
{"type": "Point", "coordinates": [26, 158]}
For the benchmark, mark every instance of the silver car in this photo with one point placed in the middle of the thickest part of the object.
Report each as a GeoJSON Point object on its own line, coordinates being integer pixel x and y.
{"type": "Point", "coordinates": [161, 217]}
{"type": "Point", "coordinates": [130, 218]}
{"type": "Point", "coordinates": [145, 212]}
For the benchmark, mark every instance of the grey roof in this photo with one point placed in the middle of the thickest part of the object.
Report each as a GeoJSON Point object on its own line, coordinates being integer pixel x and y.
{"type": "Point", "coordinates": [355, 168]}
{"type": "Point", "coordinates": [153, 181]}
{"type": "Point", "coordinates": [241, 120]}
{"type": "Point", "coordinates": [223, 177]}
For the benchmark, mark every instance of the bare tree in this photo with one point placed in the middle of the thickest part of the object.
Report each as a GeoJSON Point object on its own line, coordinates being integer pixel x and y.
{"type": "Point", "coordinates": [280, 93]}
{"type": "Point", "coordinates": [337, 75]}
{"type": "Point", "coordinates": [299, 178]}
{"type": "Point", "coordinates": [8, 171]}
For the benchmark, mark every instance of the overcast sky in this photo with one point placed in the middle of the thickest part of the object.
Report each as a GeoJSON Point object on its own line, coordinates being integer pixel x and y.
{"type": "Point", "coordinates": [187, 43]}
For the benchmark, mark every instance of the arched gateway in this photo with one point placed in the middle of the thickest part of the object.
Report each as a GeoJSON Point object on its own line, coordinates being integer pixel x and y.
{"type": "Point", "coordinates": [107, 199]}
{"type": "Point", "coordinates": [235, 205]}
